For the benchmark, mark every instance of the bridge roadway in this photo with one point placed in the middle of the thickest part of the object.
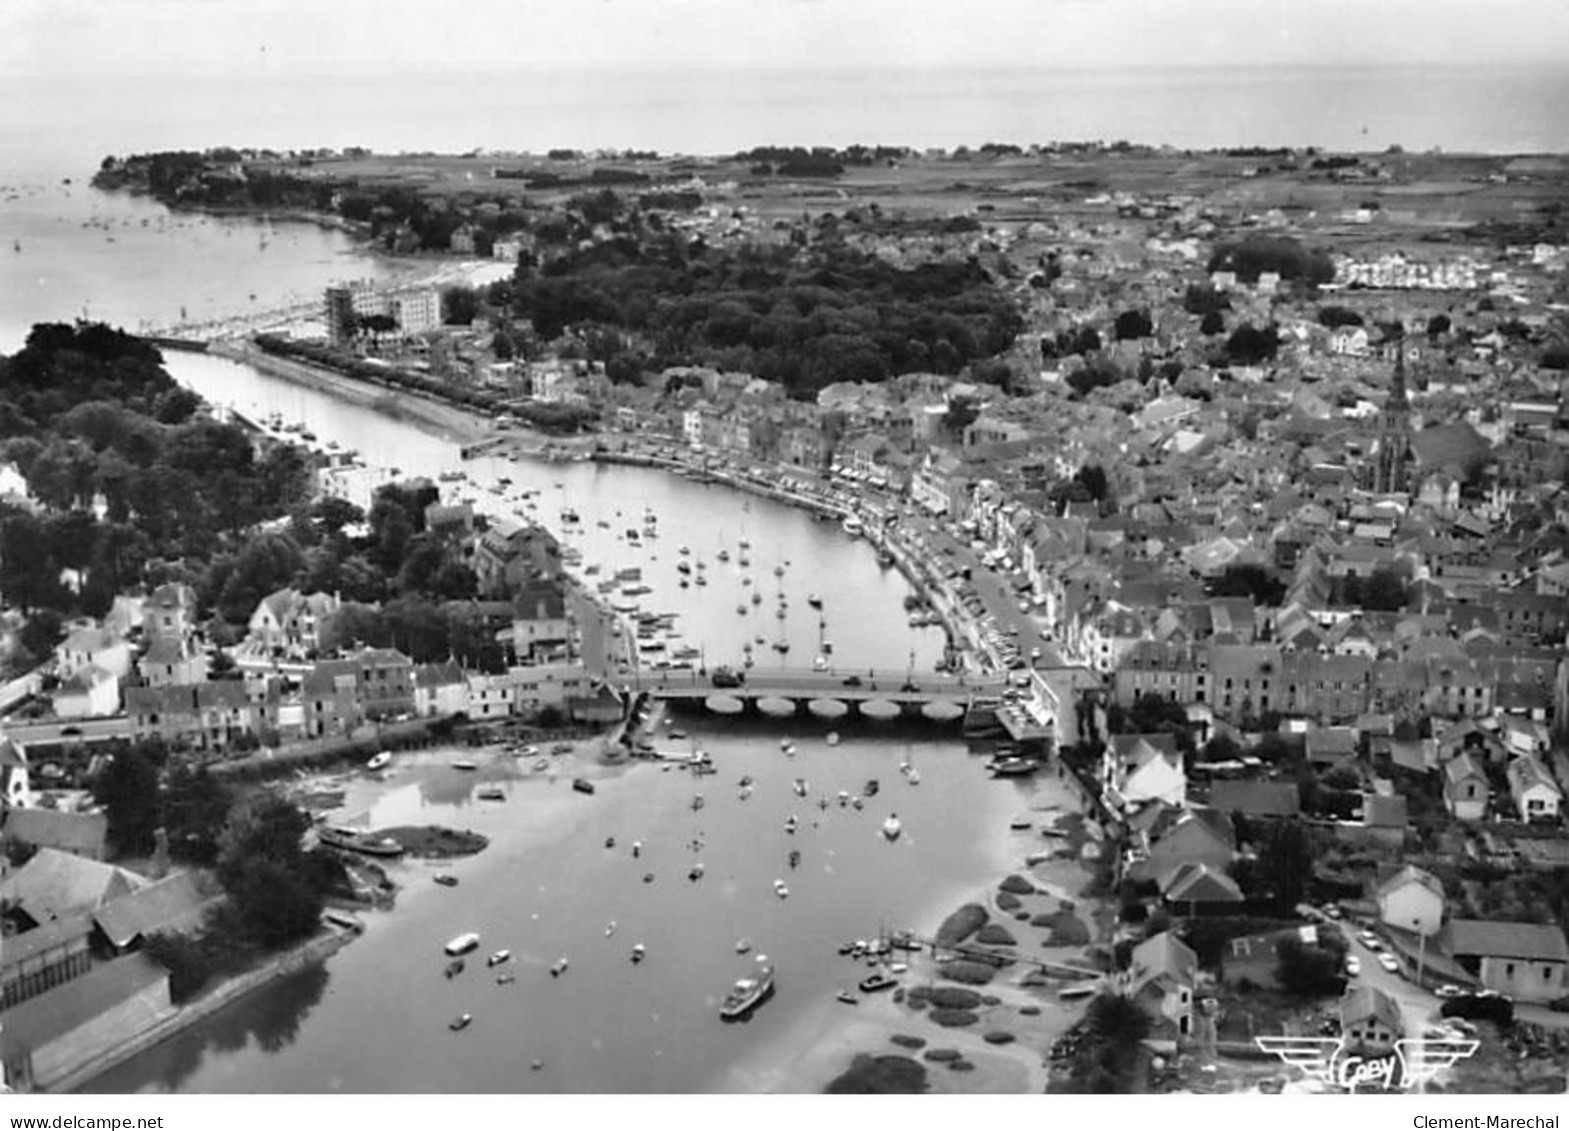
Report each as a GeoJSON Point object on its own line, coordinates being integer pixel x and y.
{"type": "Point", "coordinates": [895, 685]}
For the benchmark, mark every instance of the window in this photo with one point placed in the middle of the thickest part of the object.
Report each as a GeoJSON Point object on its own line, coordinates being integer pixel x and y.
{"type": "Point", "coordinates": [1509, 969]}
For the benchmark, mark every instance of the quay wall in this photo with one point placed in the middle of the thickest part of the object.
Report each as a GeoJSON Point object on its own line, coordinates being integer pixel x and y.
{"type": "Point", "coordinates": [313, 950]}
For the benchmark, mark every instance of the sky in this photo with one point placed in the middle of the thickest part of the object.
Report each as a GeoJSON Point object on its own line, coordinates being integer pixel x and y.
{"type": "Point", "coordinates": [282, 39]}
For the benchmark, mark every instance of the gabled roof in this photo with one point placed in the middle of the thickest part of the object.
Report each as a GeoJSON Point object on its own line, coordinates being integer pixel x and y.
{"type": "Point", "coordinates": [1141, 749]}
{"type": "Point", "coordinates": [54, 883]}
{"type": "Point", "coordinates": [1369, 1003]}
{"type": "Point", "coordinates": [1380, 812]}
{"type": "Point", "coordinates": [1411, 874]}
{"type": "Point", "coordinates": [1163, 955]}
{"type": "Point", "coordinates": [1199, 883]}
{"type": "Point", "coordinates": [1461, 767]}
{"type": "Point", "coordinates": [19, 948]}
{"type": "Point", "coordinates": [1537, 942]}
{"type": "Point", "coordinates": [175, 903]}
{"type": "Point", "coordinates": [1528, 773]}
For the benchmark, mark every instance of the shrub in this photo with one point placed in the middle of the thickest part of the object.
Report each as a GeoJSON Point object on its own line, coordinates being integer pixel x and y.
{"type": "Point", "coordinates": [998, 1037]}
{"type": "Point", "coordinates": [906, 1041]}
{"type": "Point", "coordinates": [969, 973]}
{"type": "Point", "coordinates": [940, 1055]}
{"type": "Point", "coordinates": [961, 925]}
{"type": "Point", "coordinates": [953, 997]}
{"type": "Point", "coordinates": [960, 1066]}
{"type": "Point", "coordinates": [994, 934]}
{"type": "Point", "coordinates": [880, 1075]}
{"type": "Point", "coordinates": [1007, 901]}
{"type": "Point", "coordinates": [954, 1018]}
{"type": "Point", "coordinates": [1029, 1011]}
{"type": "Point", "coordinates": [1017, 885]}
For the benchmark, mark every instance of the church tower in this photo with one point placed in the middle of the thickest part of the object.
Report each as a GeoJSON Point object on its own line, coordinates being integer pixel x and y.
{"type": "Point", "coordinates": [1394, 431]}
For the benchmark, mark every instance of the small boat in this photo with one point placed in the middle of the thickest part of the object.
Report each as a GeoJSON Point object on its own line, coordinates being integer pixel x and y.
{"type": "Point", "coordinates": [748, 993]}
{"type": "Point", "coordinates": [814, 600]}
{"type": "Point", "coordinates": [857, 804]}
{"type": "Point", "coordinates": [872, 983]}
{"type": "Point", "coordinates": [461, 1021]}
{"type": "Point", "coordinates": [506, 979]}
{"type": "Point", "coordinates": [1077, 990]}
{"type": "Point", "coordinates": [498, 958]}
{"type": "Point", "coordinates": [892, 828]}
{"type": "Point", "coordinates": [799, 785]}
{"type": "Point", "coordinates": [833, 738]}
{"type": "Point", "coordinates": [743, 945]}
{"type": "Point", "coordinates": [380, 761]}
{"type": "Point", "coordinates": [697, 802]}
{"type": "Point", "coordinates": [639, 952]}
{"type": "Point", "coordinates": [791, 824]}
{"type": "Point", "coordinates": [464, 764]}
{"type": "Point", "coordinates": [852, 526]}
{"type": "Point", "coordinates": [446, 879]}
{"type": "Point", "coordinates": [915, 777]}
{"type": "Point", "coordinates": [540, 766]}
{"type": "Point", "coordinates": [462, 944]}
{"type": "Point", "coordinates": [781, 890]}
{"type": "Point", "coordinates": [558, 968]}
{"type": "Point", "coordinates": [582, 785]}
{"type": "Point", "coordinates": [454, 968]}
{"type": "Point", "coordinates": [847, 997]}
{"type": "Point", "coordinates": [723, 555]}
{"type": "Point", "coordinates": [871, 788]}
{"type": "Point", "coordinates": [610, 928]}
{"type": "Point", "coordinates": [795, 857]}
{"type": "Point", "coordinates": [844, 798]}
{"type": "Point", "coordinates": [492, 793]}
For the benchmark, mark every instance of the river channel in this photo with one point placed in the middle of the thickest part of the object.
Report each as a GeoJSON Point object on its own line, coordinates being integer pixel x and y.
{"type": "Point", "coordinates": [375, 1018]}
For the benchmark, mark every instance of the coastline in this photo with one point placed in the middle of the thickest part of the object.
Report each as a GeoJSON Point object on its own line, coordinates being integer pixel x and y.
{"type": "Point", "coordinates": [822, 1045]}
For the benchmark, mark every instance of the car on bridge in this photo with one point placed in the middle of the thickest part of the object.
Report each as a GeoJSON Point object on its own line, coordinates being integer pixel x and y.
{"type": "Point", "coordinates": [724, 677]}
{"type": "Point", "coordinates": [851, 681]}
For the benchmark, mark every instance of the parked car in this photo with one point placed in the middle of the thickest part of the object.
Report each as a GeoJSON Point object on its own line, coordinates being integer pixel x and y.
{"type": "Point", "coordinates": [1353, 966]}
{"type": "Point", "coordinates": [1448, 989]}
{"type": "Point", "coordinates": [1369, 940]}
{"type": "Point", "coordinates": [1388, 962]}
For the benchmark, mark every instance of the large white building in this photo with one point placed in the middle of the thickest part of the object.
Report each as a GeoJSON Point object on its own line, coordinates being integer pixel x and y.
{"type": "Point", "coordinates": [415, 311]}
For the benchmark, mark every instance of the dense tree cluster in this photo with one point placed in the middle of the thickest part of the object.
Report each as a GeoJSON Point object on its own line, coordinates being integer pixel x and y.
{"type": "Point", "coordinates": [89, 412]}
{"type": "Point", "coordinates": [1286, 257]}
{"type": "Point", "coordinates": [804, 317]}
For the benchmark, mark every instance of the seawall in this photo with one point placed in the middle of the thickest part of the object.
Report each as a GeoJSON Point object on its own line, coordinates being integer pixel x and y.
{"type": "Point", "coordinates": [313, 950]}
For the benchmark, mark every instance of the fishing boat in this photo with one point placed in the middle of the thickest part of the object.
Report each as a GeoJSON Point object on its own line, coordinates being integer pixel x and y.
{"type": "Point", "coordinates": [462, 944]}
{"type": "Point", "coordinates": [892, 828]}
{"type": "Point", "coordinates": [380, 761]}
{"type": "Point", "coordinates": [748, 993]}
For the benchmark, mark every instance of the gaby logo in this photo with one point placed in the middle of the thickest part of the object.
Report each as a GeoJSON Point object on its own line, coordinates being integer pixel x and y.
{"type": "Point", "coordinates": [1413, 1062]}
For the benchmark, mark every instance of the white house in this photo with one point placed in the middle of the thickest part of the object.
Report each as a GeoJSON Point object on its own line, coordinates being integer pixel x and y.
{"type": "Point", "coordinates": [1528, 961]}
{"type": "Point", "coordinates": [1161, 974]}
{"type": "Point", "coordinates": [1536, 794]}
{"type": "Point", "coordinates": [1144, 767]}
{"type": "Point", "coordinates": [92, 647]}
{"type": "Point", "coordinates": [490, 696]}
{"type": "Point", "coordinates": [1412, 900]}
{"type": "Point", "coordinates": [90, 693]}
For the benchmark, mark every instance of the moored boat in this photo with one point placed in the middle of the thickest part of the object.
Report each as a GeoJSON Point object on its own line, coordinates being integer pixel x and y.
{"type": "Point", "coordinates": [892, 828]}
{"type": "Point", "coordinates": [748, 993]}
{"type": "Point", "coordinates": [462, 944]}
{"type": "Point", "coordinates": [461, 1021]}
{"type": "Point", "coordinates": [379, 761]}
{"type": "Point", "coordinates": [582, 785]}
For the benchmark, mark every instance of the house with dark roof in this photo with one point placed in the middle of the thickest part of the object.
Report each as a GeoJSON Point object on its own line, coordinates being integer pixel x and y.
{"type": "Point", "coordinates": [1161, 975]}
{"type": "Point", "coordinates": [1370, 1021]}
{"type": "Point", "coordinates": [1526, 961]}
{"type": "Point", "coordinates": [1180, 836]}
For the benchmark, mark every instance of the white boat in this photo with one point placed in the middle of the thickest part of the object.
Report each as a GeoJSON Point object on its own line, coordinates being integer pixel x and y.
{"type": "Point", "coordinates": [462, 944]}
{"type": "Point", "coordinates": [853, 526]}
{"type": "Point", "coordinates": [379, 761]}
{"type": "Point", "coordinates": [464, 764]}
{"type": "Point", "coordinates": [781, 890]}
{"type": "Point", "coordinates": [833, 738]}
{"type": "Point", "coordinates": [559, 968]}
{"type": "Point", "coordinates": [498, 958]}
{"type": "Point", "coordinates": [748, 993]}
{"type": "Point", "coordinates": [639, 952]}
{"type": "Point", "coordinates": [1078, 989]}
{"type": "Point", "coordinates": [915, 777]}
{"type": "Point", "coordinates": [892, 828]}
